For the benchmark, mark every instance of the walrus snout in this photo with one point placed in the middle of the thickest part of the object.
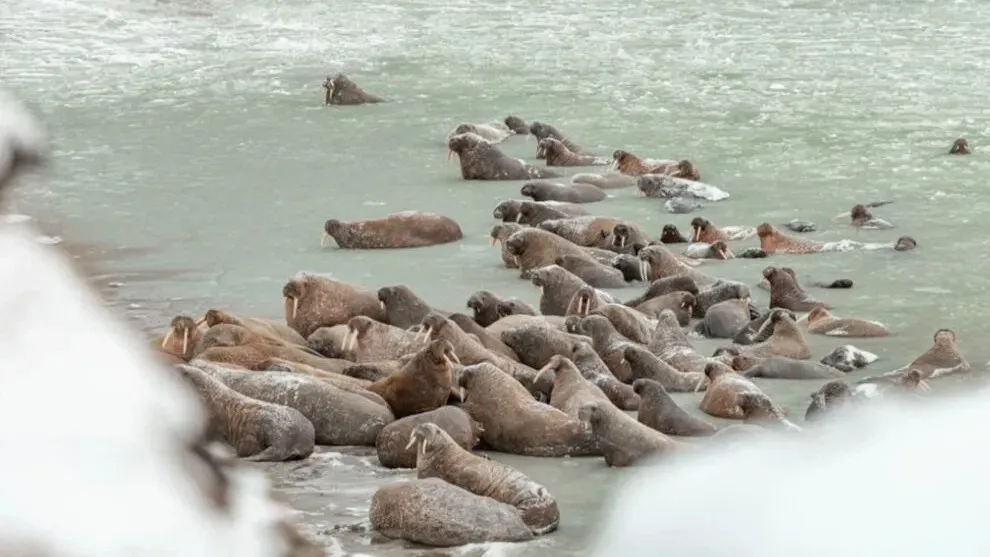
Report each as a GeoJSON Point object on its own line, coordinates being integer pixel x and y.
{"type": "Point", "coordinates": [959, 147]}
{"type": "Point", "coordinates": [905, 243]}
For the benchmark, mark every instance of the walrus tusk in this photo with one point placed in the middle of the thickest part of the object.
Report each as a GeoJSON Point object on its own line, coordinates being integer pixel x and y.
{"type": "Point", "coordinates": [491, 241]}
{"type": "Point", "coordinates": [842, 215]}
{"type": "Point", "coordinates": [644, 268]}
{"type": "Point", "coordinates": [295, 307]}
{"type": "Point", "coordinates": [518, 217]}
{"type": "Point", "coordinates": [168, 337]}
{"type": "Point", "coordinates": [540, 373]}
{"type": "Point", "coordinates": [622, 241]}
{"type": "Point", "coordinates": [450, 153]}
{"type": "Point", "coordinates": [423, 336]}
{"type": "Point", "coordinates": [324, 240]}
{"type": "Point", "coordinates": [923, 385]}
{"type": "Point", "coordinates": [185, 341]}
{"type": "Point", "coordinates": [640, 193]}
{"type": "Point", "coordinates": [453, 357]}
{"type": "Point", "coordinates": [729, 254]}
{"type": "Point", "coordinates": [701, 382]}
{"type": "Point", "coordinates": [412, 441]}
{"type": "Point", "coordinates": [350, 340]}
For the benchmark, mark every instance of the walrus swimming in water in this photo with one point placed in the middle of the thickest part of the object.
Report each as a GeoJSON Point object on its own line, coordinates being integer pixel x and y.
{"type": "Point", "coordinates": [609, 180]}
{"type": "Point", "coordinates": [557, 154]}
{"type": "Point", "coordinates": [785, 292]}
{"type": "Point", "coordinates": [671, 235]}
{"type": "Point", "coordinates": [542, 190]}
{"type": "Point", "coordinates": [959, 147]}
{"type": "Point", "coordinates": [492, 133]}
{"type": "Point", "coordinates": [905, 243]}
{"type": "Point", "coordinates": [722, 396]}
{"type": "Point", "coordinates": [423, 384]}
{"type": "Point", "coordinates": [263, 327]}
{"type": "Point", "coordinates": [861, 217]}
{"type": "Point", "coordinates": [625, 235]}
{"type": "Point", "coordinates": [514, 423]}
{"type": "Point", "coordinates": [719, 250]}
{"type": "Point", "coordinates": [312, 301]}
{"type": "Point", "coordinates": [181, 339]}
{"type": "Point", "coordinates": [726, 290]}
{"type": "Point", "coordinates": [827, 399]}
{"type": "Point", "coordinates": [782, 367]}
{"type": "Point", "coordinates": [542, 131]}
{"type": "Point", "coordinates": [480, 160]}
{"type": "Point", "coordinates": [535, 212]}
{"type": "Point", "coordinates": [403, 308]}
{"type": "Point", "coordinates": [392, 443]}
{"type": "Point", "coordinates": [257, 430]}
{"type": "Point", "coordinates": [660, 412]}
{"type": "Point", "coordinates": [773, 241]}
{"type": "Point", "coordinates": [821, 322]}
{"type": "Point", "coordinates": [439, 456]}
{"type": "Point", "coordinates": [624, 441]}
{"type": "Point", "coordinates": [499, 234]}
{"type": "Point", "coordinates": [341, 91]}
{"type": "Point", "coordinates": [585, 231]}
{"type": "Point", "coordinates": [670, 344]}
{"type": "Point", "coordinates": [705, 232]}
{"type": "Point", "coordinates": [516, 124]}
{"type": "Point", "coordinates": [407, 229]}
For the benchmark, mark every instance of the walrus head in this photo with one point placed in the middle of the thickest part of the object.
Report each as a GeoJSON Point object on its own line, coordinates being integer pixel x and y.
{"type": "Point", "coordinates": [464, 142]}
{"type": "Point", "coordinates": [214, 317]}
{"type": "Point", "coordinates": [541, 130]}
{"type": "Point", "coordinates": [714, 370]}
{"type": "Point", "coordinates": [528, 190]}
{"type": "Point", "coordinates": [517, 125]}
{"type": "Point", "coordinates": [945, 337]}
{"type": "Point", "coordinates": [699, 225]}
{"type": "Point", "coordinates": [686, 170]}
{"type": "Point", "coordinates": [335, 86]}
{"type": "Point", "coordinates": [825, 398]}
{"type": "Point", "coordinates": [181, 327]}
{"type": "Point", "coordinates": [435, 326]}
{"type": "Point", "coordinates": [959, 147]}
{"type": "Point", "coordinates": [656, 260]}
{"type": "Point", "coordinates": [720, 250]}
{"type": "Point", "coordinates": [428, 437]}
{"type": "Point", "coordinates": [584, 297]}
{"type": "Point", "coordinates": [512, 306]}
{"type": "Point", "coordinates": [658, 186]}
{"type": "Point", "coordinates": [480, 300]}
{"type": "Point", "coordinates": [591, 414]}
{"type": "Point", "coordinates": [572, 324]}
{"type": "Point", "coordinates": [671, 235]}
{"type": "Point", "coordinates": [441, 354]}
{"type": "Point", "coordinates": [501, 232]}
{"type": "Point", "coordinates": [905, 243]}
{"type": "Point", "coordinates": [742, 362]}
{"type": "Point", "coordinates": [818, 312]}
{"type": "Point", "coordinates": [516, 244]}
{"type": "Point", "coordinates": [630, 266]}
{"type": "Point", "coordinates": [331, 229]}
{"type": "Point", "coordinates": [860, 214]}
{"type": "Point", "coordinates": [228, 335]}
{"type": "Point", "coordinates": [357, 327]}
{"type": "Point", "coordinates": [548, 146]}
{"type": "Point", "coordinates": [620, 235]}
{"type": "Point", "coordinates": [766, 230]}
{"type": "Point", "coordinates": [688, 301]}
{"type": "Point", "coordinates": [507, 211]}
{"type": "Point", "coordinates": [757, 406]}
{"type": "Point", "coordinates": [292, 292]}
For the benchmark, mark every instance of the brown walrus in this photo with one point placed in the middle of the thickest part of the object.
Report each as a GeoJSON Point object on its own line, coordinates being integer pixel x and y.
{"type": "Point", "coordinates": [393, 439]}
{"type": "Point", "coordinates": [439, 456]}
{"type": "Point", "coordinates": [786, 340]}
{"type": "Point", "coordinates": [534, 248]}
{"type": "Point", "coordinates": [830, 397]}
{"type": "Point", "coordinates": [406, 229]}
{"type": "Point", "coordinates": [706, 232]}
{"type": "Point", "coordinates": [722, 396]}
{"type": "Point", "coordinates": [861, 217]}
{"type": "Point", "coordinates": [403, 308]}
{"type": "Point", "coordinates": [659, 262]}
{"type": "Point", "coordinates": [514, 422]}
{"type": "Point", "coordinates": [484, 304]}
{"type": "Point", "coordinates": [543, 190]}
{"type": "Point", "coordinates": [594, 369]}
{"type": "Point", "coordinates": [557, 287]}
{"type": "Point", "coordinates": [258, 431]}
{"type": "Point", "coordinates": [959, 147]}
{"type": "Point", "coordinates": [499, 234]}
{"type": "Point", "coordinates": [236, 345]}
{"type": "Point", "coordinates": [571, 390]}
{"type": "Point", "coordinates": [262, 327]}
{"type": "Point", "coordinates": [312, 301]}
{"type": "Point", "coordinates": [436, 513]}
{"type": "Point", "coordinates": [557, 154]}
{"type": "Point", "coordinates": [758, 409]}
{"type": "Point", "coordinates": [593, 273]}
{"type": "Point", "coordinates": [773, 241]}
{"type": "Point", "coordinates": [670, 344]}
{"type": "Point", "coordinates": [368, 340]}
{"type": "Point", "coordinates": [631, 165]}
{"type": "Point", "coordinates": [423, 384]}
{"type": "Point", "coordinates": [584, 231]}
{"type": "Point", "coordinates": [630, 323]}
{"type": "Point", "coordinates": [181, 339]}
{"type": "Point", "coordinates": [660, 412]}
{"type": "Point", "coordinates": [490, 341]}
{"type": "Point", "coordinates": [537, 344]}
{"type": "Point", "coordinates": [786, 293]}
{"type": "Point", "coordinates": [719, 250]}
{"type": "Point", "coordinates": [480, 160]}
{"type": "Point", "coordinates": [542, 131]}
{"type": "Point", "coordinates": [943, 358]}
{"type": "Point", "coordinates": [624, 441]}
{"type": "Point", "coordinates": [341, 91]}
{"type": "Point", "coordinates": [667, 285]}
{"type": "Point", "coordinates": [821, 322]}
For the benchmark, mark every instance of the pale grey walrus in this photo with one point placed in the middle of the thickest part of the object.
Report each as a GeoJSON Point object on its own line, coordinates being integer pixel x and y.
{"type": "Point", "coordinates": [624, 441]}
{"type": "Point", "coordinates": [557, 154]}
{"type": "Point", "coordinates": [480, 160]}
{"type": "Point", "coordinates": [542, 131]}
{"type": "Point", "coordinates": [257, 430]}
{"type": "Point", "coordinates": [392, 442]}
{"type": "Point", "coordinates": [726, 318]}
{"type": "Point", "coordinates": [439, 456]}
{"type": "Point", "coordinates": [436, 513]}
{"type": "Point", "coordinates": [403, 308]}
{"type": "Point", "coordinates": [659, 411]}
{"type": "Point", "coordinates": [606, 181]}
{"type": "Point", "coordinates": [341, 91]}
{"type": "Point", "coordinates": [782, 367]}
{"type": "Point", "coordinates": [312, 301]}
{"type": "Point", "coordinates": [407, 229]}
{"type": "Point", "coordinates": [543, 190]}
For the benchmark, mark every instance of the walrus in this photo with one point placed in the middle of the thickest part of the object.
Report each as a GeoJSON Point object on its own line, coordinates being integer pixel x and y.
{"type": "Point", "coordinates": [755, 332]}
{"type": "Point", "coordinates": [666, 285]}
{"type": "Point", "coordinates": [480, 160]}
{"type": "Point", "coordinates": [328, 341]}
{"type": "Point", "coordinates": [786, 293]}
{"type": "Point", "coordinates": [514, 423]}
{"type": "Point", "coordinates": [258, 431]}
{"type": "Point", "coordinates": [629, 266]}
{"type": "Point", "coordinates": [542, 131]}
{"type": "Point", "coordinates": [722, 396]}
{"type": "Point", "coordinates": [372, 341]}
{"type": "Point", "coordinates": [499, 234]}
{"type": "Point", "coordinates": [571, 389]}
{"type": "Point", "coordinates": [542, 190]}
{"type": "Point", "coordinates": [706, 232]}
{"type": "Point", "coordinates": [786, 339]}
{"type": "Point", "coordinates": [681, 303]}
{"type": "Point", "coordinates": [534, 248]}
{"type": "Point", "coordinates": [535, 212]}
{"type": "Point", "coordinates": [582, 302]}
{"type": "Point", "coordinates": [911, 382]}
{"type": "Point", "coordinates": [861, 217]}
{"type": "Point", "coordinates": [782, 367]}
{"type": "Point", "coordinates": [670, 344]}
{"type": "Point", "coordinates": [513, 306]}
{"type": "Point", "coordinates": [341, 91]}
{"type": "Point", "coordinates": [772, 241]}
{"type": "Point", "coordinates": [488, 340]}
{"type": "Point", "coordinates": [630, 323]}
{"type": "Point", "coordinates": [264, 327]}
{"type": "Point", "coordinates": [406, 229]}
{"type": "Point", "coordinates": [312, 301]}
{"type": "Point", "coordinates": [181, 339]}
{"type": "Point", "coordinates": [423, 384]}
{"type": "Point", "coordinates": [392, 443]}
{"type": "Point", "coordinates": [849, 358]}
{"type": "Point", "coordinates": [513, 322]}
{"type": "Point", "coordinates": [943, 358]}
{"type": "Point", "coordinates": [659, 411]}
{"type": "Point", "coordinates": [631, 165]}
{"type": "Point", "coordinates": [537, 344]}
{"type": "Point", "coordinates": [403, 308]}
{"type": "Point", "coordinates": [592, 272]}
{"type": "Point", "coordinates": [608, 180]}
{"type": "Point", "coordinates": [234, 344]}
{"type": "Point", "coordinates": [492, 133]}
{"type": "Point", "coordinates": [671, 235]}
{"type": "Point", "coordinates": [827, 400]}
{"type": "Point", "coordinates": [516, 124]}
{"type": "Point", "coordinates": [726, 318]}
{"type": "Point", "coordinates": [905, 243]}
{"type": "Point", "coordinates": [659, 262]}
{"type": "Point", "coordinates": [587, 231]}
{"type": "Point", "coordinates": [799, 225]}
{"type": "Point", "coordinates": [557, 287]}
{"type": "Point", "coordinates": [758, 409]}
{"type": "Point", "coordinates": [624, 441]}
{"type": "Point", "coordinates": [719, 250]}
{"type": "Point", "coordinates": [822, 322]}
{"type": "Point", "coordinates": [338, 417]}
{"type": "Point", "coordinates": [607, 343]}
{"type": "Point", "coordinates": [626, 234]}
{"type": "Point", "coordinates": [643, 364]}
{"type": "Point", "coordinates": [726, 290]}
{"type": "Point", "coordinates": [436, 513]}
{"type": "Point", "coordinates": [682, 195]}
{"type": "Point", "coordinates": [557, 154]}
{"type": "Point", "coordinates": [959, 147]}
{"type": "Point", "coordinates": [484, 304]}
{"type": "Point", "coordinates": [439, 456]}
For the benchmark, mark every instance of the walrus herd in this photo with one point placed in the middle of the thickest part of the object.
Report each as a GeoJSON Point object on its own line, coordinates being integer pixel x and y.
{"type": "Point", "coordinates": [582, 373]}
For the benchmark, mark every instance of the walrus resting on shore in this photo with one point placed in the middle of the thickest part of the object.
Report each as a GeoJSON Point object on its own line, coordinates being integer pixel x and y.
{"type": "Point", "coordinates": [341, 91]}
{"type": "Point", "coordinates": [406, 229]}
{"type": "Point", "coordinates": [516, 124]}
{"type": "Point", "coordinates": [392, 442]}
{"type": "Point", "coordinates": [257, 430]}
{"type": "Point", "coordinates": [782, 367]}
{"type": "Point", "coordinates": [423, 384]}
{"type": "Point", "coordinates": [312, 301]}
{"type": "Point", "coordinates": [480, 160]}
{"type": "Point", "coordinates": [263, 327]}
{"type": "Point", "coordinates": [439, 456]}
{"type": "Point", "coordinates": [557, 154]}
{"type": "Point", "coordinates": [436, 513]}
{"type": "Point", "coordinates": [821, 322]}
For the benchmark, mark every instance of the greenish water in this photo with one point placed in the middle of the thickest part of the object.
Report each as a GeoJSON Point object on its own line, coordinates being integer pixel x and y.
{"type": "Point", "coordinates": [197, 129]}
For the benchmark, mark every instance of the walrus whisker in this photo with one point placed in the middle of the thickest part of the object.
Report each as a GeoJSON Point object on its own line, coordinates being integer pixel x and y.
{"type": "Point", "coordinates": [168, 337]}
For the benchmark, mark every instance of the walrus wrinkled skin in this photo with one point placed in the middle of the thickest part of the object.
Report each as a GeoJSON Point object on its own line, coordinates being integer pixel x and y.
{"type": "Point", "coordinates": [480, 160]}
{"type": "Point", "coordinates": [439, 456]}
{"type": "Point", "coordinates": [659, 411]}
{"type": "Point", "coordinates": [659, 262]}
{"type": "Point", "coordinates": [234, 344]}
{"type": "Point", "coordinates": [592, 272]}
{"type": "Point", "coordinates": [786, 293]}
{"type": "Point", "coordinates": [514, 423]}
{"type": "Point", "coordinates": [392, 442]}
{"type": "Point", "coordinates": [822, 322]}
{"type": "Point", "coordinates": [624, 441]}
{"type": "Point", "coordinates": [542, 131]}
{"type": "Point", "coordinates": [312, 301]}
{"type": "Point", "coordinates": [726, 290]}
{"type": "Point", "coordinates": [423, 384]}
{"type": "Point", "coordinates": [571, 390]}
{"type": "Point", "coordinates": [439, 514]}
{"type": "Point", "coordinates": [407, 229]}
{"type": "Point", "coordinates": [782, 367]}
{"type": "Point", "coordinates": [959, 147]}
{"type": "Point", "coordinates": [587, 231]}
{"type": "Point", "coordinates": [537, 344]}
{"type": "Point", "coordinates": [557, 154]}
{"type": "Point", "coordinates": [258, 431]}
{"type": "Point", "coordinates": [534, 213]}
{"type": "Point", "coordinates": [339, 417]}
{"type": "Point", "coordinates": [726, 318]}
{"type": "Point", "coordinates": [341, 91]}
{"type": "Point", "coordinates": [785, 340]}
{"type": "Point", "coordinates": [495, 132]}
{"type": "Point", "coordinates": [573, 193]}
{"type": "Point", "coordinates": [484, 304]}
{"type": "Point", "coordinates": [643, 364]}
{"type": "Point", "coordinates": [368, 340]}
{"type": "Point", "coordinates": [489, 340]}
{"type": "Point", "coordinates": [666, 285]}
{"type": "Point", "coordinates": [722, 396]}
{"type": "Point", "coordinates": [609, 180]}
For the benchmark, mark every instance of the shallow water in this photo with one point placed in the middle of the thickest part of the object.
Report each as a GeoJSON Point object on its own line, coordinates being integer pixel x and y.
{"type": "Point", "coordinates": [196, 128]}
